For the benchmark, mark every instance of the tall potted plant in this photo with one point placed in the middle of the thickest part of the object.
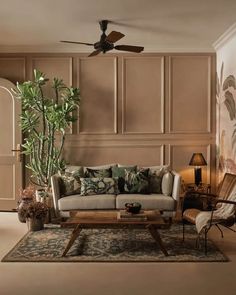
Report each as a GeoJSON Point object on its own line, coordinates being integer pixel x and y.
{"type": "Point", "coordinates": [44, 122]}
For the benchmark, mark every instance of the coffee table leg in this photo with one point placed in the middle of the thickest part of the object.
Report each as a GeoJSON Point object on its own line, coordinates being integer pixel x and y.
{"type": "Point", "coordinates": [74, 235]}
{"type": "Point", "coordinates": [155, 234]}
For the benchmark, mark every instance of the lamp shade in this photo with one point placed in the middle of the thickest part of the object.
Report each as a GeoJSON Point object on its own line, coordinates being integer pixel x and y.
{"type": "Point", "coordinates": [197, 160]}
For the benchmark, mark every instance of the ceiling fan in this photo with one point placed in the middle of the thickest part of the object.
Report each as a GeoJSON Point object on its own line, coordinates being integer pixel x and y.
{"type": "Point", "coordinates": [106, 42]}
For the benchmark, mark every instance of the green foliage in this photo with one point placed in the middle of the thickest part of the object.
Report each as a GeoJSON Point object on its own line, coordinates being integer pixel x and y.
{"type": "Point", "coordinates": [44, 122]}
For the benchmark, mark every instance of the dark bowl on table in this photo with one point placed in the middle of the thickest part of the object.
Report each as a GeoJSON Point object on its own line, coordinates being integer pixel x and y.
{"type": "Point", "coordinates": [133, 208]}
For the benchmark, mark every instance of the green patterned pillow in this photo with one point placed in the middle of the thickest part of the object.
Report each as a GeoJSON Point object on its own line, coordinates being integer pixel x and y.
{"type": "Point", "coordinates": [120, 173]}
{"type": "Point", "coordinates": [99, 186]}
{"type": "Point", "coordinates": [137, 183]}
{"type": "Point", "coordinates": [70, 180]}
{"type": "Point", "coordinates": [89, 172]}
{"type": "Point", "coordinates": [68, 185]}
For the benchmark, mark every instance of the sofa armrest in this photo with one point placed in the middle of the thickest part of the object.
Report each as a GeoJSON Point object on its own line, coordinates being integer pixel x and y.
{"type": "Point", "coordinates": [176, 185]}
{"type": "Point", "coordinates": [55, 190]}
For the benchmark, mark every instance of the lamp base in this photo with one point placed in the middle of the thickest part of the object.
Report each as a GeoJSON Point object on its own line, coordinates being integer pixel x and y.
{"type": "Point", "coordinates": [198, 175]}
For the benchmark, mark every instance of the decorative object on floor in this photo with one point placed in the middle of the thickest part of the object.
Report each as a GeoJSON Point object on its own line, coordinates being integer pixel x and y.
{"type": "Point", "coordinates": [34, 213]}
{"type": "Point", "coordinates": [197, 160]}
{"type": "Point", "coordinates": [27, 196]}
{"type": "Point", "coordinates": [42, 120]}
{"type": "Point", "coordinates": [106, 43]}
{"type": "Point", "coordinates": [113, 245]}
{"type": "Point", "coordinates": [133, 207]}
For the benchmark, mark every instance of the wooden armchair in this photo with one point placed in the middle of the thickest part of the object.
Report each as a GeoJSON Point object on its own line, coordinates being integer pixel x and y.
{"type": "Point", "coordinates": [225, 196]}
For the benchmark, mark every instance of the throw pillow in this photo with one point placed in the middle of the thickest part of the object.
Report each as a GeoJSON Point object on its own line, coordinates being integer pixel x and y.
{"type": "Point", "coordinates": [155, 179]}
{"type": "Point", "coordinates": [70, 180]}
{"type": "Point", "coordinates": [68, 185]}
{"type": "Point", "coordinates": [120, 173]}
{"type": "Point", "coordinates": [137, 183]}
{"type": "Point", "coordinates": [98, 186]}
{"type": "Point", "coordinates": [167, 183]}
{"type": "Point", "coordinates": [98, 172]}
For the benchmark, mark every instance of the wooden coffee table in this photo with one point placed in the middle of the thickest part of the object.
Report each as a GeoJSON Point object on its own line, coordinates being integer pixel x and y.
{"type": "Point", "coordinates": [95, 219]}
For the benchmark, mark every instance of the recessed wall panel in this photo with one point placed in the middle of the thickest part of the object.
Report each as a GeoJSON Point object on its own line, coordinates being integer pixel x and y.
{"type": "Point", "coordinates": [143, 95]}
{"type": "Point", "coordinates": [190, 94]}
{"type": "Point", "coordinates": [12, 68]}
{"type": "Point", "coordinates": [7, 183]}
{"type": "Point", "coordinates": [58, 67]}
{"type": "Point", "coordinates": [6, 122]}
{"type": "Point", "coordinates": [97, 80]}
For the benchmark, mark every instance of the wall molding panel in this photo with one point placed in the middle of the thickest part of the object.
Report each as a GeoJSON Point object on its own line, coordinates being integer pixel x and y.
{"type": "Point", "coordinates": [142, 113]}
{"type": "Point", "coordinates": [97, 80]}
{"type": "Point", "coordinates": [190, 87]}
{"type": "Point", "coordinates": [13, 68]}
{"type": "Point", "coordinates": [145, 109]}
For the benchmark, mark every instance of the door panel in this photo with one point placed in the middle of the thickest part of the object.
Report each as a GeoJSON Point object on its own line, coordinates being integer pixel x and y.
{"type": "Point", "coordinates": [10, 137]}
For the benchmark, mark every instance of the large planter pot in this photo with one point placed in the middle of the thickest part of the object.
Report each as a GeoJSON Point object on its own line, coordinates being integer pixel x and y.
{"type": "Point", "coordinates": [35, 224]}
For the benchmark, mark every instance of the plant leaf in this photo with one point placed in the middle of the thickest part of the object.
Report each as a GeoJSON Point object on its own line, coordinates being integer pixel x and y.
{"type": "Point", "coordinates": [230, 81]}
{"type": "Point", "coordinates": [230, 104]}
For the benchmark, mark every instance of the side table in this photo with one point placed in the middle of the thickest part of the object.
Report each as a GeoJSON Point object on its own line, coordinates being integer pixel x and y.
{"type": "Point", "coordinates": [193, 200]}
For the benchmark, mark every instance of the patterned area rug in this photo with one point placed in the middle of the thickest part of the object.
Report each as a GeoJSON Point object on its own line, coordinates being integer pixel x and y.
{"type": "Point", "coordinates": [112, 245]}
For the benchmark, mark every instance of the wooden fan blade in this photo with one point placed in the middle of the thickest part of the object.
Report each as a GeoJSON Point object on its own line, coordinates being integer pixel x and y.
{"type": "Point", "coordinates": [114, 36]}
{"type": "Point", "coordinates": [90, 44]}
{"type": "Point", "coordinates": [129, 48]}
{"type": "Point", "coordinates": [96, 52]}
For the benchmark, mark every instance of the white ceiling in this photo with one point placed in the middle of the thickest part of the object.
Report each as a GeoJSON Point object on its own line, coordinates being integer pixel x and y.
{"type": "Point", "coordinates": [158, 25]}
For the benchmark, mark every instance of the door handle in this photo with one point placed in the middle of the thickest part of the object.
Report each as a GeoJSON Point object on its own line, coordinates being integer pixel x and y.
{"type": "Point", "coordinates": [18, 151]}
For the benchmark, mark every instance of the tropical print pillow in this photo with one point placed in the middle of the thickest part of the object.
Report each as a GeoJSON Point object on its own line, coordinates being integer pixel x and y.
{"type": "Point", "coordinates": [120, 173]}
{"type": "Point", "coordinates": [89, 172]}
{"type": "Point", "coordinates": [137, 183]}
{"type": "Point", "coordinates": [99, 186]}
{"type": "Point", "coordinates": [69, 185]}
{"type": "Point", "coordinates": [70, 180]}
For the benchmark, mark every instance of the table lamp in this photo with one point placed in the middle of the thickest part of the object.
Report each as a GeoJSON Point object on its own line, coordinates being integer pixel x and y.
{"type": "Point", "coordinates": [197, 160]}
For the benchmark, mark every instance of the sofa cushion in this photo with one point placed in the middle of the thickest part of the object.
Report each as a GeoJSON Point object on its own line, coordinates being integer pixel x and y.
{"type": "Point", "coordinates": [101, 166]}
{"type": "Point", "coordinates": [120, 173]}
{"type": "Point", "coordinates": [76, 202]}
{"type": "Point", "coordinates": [68, 185]}
{"type": "Point", "coordinates": [89, 172]}
{"type": "Point", "coordinates": [153, 201]}
{"type": "Point", "coordinates": [167, 183]}
{"type": "Point", "coordinates": [75, 170]}
{"type": "Point", "coordinates": [98, 186]}
{"type": "Point", "coordinates": [137, 182]}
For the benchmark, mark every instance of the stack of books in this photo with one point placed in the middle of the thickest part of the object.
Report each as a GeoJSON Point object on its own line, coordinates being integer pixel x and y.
{"type": "Point", "coordinates": [123, 215]}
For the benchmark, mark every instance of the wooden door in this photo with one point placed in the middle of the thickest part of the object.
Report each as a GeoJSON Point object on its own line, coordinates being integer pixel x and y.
{"type": "Point", "coordinates": [10, 139]}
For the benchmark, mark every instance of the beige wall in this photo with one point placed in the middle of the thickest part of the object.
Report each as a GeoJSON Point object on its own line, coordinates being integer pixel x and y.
{"type": "Point", "coordinates": [147, 109]}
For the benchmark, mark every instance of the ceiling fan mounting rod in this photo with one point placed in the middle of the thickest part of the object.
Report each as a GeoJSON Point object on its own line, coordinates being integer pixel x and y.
{"type": "Point", "coordinates": [103, 25]}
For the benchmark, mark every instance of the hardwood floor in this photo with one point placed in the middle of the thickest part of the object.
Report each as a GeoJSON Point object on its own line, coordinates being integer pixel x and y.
{"type": "Point", "coordinates": [114, 278]}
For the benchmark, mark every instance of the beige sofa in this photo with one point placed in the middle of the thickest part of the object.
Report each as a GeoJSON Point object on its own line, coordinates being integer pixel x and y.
{"type": "Point", "coordinates": [166, 203]}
